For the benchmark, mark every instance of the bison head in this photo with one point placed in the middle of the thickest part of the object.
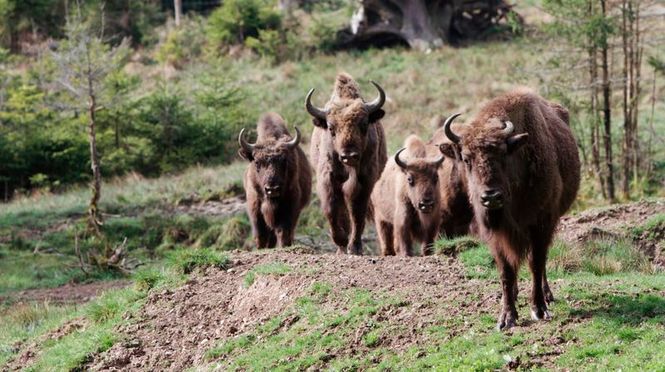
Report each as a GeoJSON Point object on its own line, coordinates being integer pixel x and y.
{"type": "Point", "coordinates": [422, 181]}
{"type": "Point", "coordinates": [269, 162]}
{"type": "Point", "coordinates": [485, 151]}
{"type": "Point", "coordinates": [347, 118]}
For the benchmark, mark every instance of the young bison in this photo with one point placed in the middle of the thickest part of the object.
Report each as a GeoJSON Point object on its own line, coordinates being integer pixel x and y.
{"type": "Point", "coordinates": [277, 181]}
{"type": "Point", "coordinates": [523, 172]}
{"type": "Point", "coordinates": [406, 200]}
{"type": "Point", "coordinates": [349, 151]}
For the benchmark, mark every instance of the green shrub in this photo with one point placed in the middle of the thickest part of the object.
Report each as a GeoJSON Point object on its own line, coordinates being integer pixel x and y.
{"type": "Point", "coordinates": [236, 20]}
{"type": "Point", "coordinates": [184, 43]}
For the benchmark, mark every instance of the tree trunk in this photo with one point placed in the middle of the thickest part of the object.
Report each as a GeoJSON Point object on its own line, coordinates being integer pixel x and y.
{"type": "Point", "coordinates": [177, 6]}
{"type": "Point", "coordinates": [627, 94]}
{"type": "Point", "coordinates": [607, 112]}
{"type": "Point", "coordinates": [94, 216]}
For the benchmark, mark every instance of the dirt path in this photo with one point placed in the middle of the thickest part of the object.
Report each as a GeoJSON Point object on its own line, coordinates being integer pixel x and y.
{"type": "Point", "coordinates": [66, 294]}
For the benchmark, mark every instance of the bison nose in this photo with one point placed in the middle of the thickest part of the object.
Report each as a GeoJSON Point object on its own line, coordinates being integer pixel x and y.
{"type": "Point", "coordinates": [272, 190]}
{"type": "Point", "coordinates": [426, 204]}
{"type": "Point", "coordinates": [492, 199]}
{"type": "Point", "coordinates": [349, 157]}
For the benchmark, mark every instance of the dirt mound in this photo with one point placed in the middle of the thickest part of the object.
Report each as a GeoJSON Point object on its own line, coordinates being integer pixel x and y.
{"type": "Point", "coordinates": [617, 222]}
{"type": "Point", "coordinates": [176, 328]}
{"type": "Point", "coordinates": [68, 293]}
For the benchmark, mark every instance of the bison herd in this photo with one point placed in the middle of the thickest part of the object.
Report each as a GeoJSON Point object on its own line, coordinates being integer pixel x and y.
{"type": "Point", "coordinates": [505, 177]}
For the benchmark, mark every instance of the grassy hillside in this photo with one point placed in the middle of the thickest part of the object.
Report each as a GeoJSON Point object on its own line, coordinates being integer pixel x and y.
{"type": "Point", "coordinates": [188, 232]}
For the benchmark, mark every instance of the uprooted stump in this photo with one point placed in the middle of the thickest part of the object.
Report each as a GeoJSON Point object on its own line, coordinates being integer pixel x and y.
{"type": "Point", "coordinates": [423, 24]}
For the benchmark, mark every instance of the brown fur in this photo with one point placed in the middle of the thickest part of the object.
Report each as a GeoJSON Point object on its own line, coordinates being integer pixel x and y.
{"type": "Point", "coordinates": [397, 217]}
{"type": "Point", "coordinates": [456, 211]}
{"type": "Point", "coordinates": [344, 190]}
{"type": "Point", "coordinates": [273, 163]}
{"type": "Point", "coordinates": [538, 176]}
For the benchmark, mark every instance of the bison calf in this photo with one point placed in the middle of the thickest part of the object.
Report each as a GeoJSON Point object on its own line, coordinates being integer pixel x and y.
{"type": "Point", "coordinates": [523, 171]}
{"type": "Point", "coordinates": [277, 181]}
{"type": "Point", "coordinates": [406, 200]}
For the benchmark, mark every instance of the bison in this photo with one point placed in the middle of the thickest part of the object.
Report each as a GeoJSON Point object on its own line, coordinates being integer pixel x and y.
{"type": "Point", "coordinates": [456, 211]}
{"type": "Point", "coordinates": [278, 181]}
{"type": "Point", "coordinates": [348, 150]}
{"type": "Point", "coordinates": [406, 200]}
{"type": "Point", "coordinates": [523, 172]}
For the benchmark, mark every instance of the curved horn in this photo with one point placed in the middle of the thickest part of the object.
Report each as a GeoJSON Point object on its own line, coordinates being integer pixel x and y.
{"type": "Point", "coordinates": [399, 161]}
{"type": "Point", "coordinates": [313, 110]}
{"type": "Point", "coordinates": [508, 127]}
{"type": "Point", "coordinates": [244, 144]}
{"type": "Point", "coordinates": [448, 130]}
{"type": "Point", "coordinates": [378, 101]}
{"type": "Point", "coordinates": [436, 162]}
{"type": "Point", "coordinates": [295, 141]}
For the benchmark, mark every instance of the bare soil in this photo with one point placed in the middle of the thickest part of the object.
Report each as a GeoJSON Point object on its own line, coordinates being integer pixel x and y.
{"type": "Point", "coordinates": [176, 327]}
{"type": "Point", "coordinates": [66, 294]}
{"type": "Point", "coordinates": [615, 223]}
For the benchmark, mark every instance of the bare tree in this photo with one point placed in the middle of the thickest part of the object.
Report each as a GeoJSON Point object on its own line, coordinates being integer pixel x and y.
{"type": "Point", "coordinates": [83, 62]}
{"type": "Point", "coordinates": [177, 6]}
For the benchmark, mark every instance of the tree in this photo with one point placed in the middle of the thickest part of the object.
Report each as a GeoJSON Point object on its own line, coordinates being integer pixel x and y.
{"type": "Point", "coordinates": [83, 63]}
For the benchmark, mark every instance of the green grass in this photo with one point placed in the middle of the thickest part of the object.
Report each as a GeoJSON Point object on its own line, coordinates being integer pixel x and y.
{"type": "Point", "coordinates": [186, 260]}
{"type": "Point", "coordinates": [273, 268]}
{"type": "Point", "coordinates": [591, 331]}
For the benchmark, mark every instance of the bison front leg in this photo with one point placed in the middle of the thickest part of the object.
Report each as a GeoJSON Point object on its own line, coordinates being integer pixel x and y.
{"type": "Point", "coordinates": [285, 236]}
{"type": "Point", "coordinates": [384, 231]}
{"type": "Point", "coordinates": [358, 209]}
{"type": "Point", "coordinates": [335, 211]}
{"type": "Point", "coordinates": [427, 246]}
{"type": "Point", "coordinates": [508, 271]}
{"type": "Point", "coordinates": [263, 235]}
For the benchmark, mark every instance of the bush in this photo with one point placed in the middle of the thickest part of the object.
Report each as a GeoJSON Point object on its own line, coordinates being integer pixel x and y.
{"type": "Point", "coordinates": [237, 20]}
{"type": "Point", "coordinates": [182, 44]}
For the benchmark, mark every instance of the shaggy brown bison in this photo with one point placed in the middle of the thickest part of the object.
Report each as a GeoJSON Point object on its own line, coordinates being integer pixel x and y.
{"type": "Point", "coordinates": [278, 181]}
{"type": "Point", "coordinates": [523, 172]}
{"type": "Point", "coordinates": [348, 150]}
{"type": "Point", "coordinates": [406, 200]}
{"type": "Point", "coordinates": [456, 211]}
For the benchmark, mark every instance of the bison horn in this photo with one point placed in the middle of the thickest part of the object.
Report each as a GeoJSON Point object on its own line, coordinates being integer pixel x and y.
{"type": "Point", "coordinates": [295, 141]}
{"type": "Point", "coordinates": [313, 110]}
{"type": "Point", "coordinates": [448, 130]}
{"type": "Point", "coordinates": [399, 161]}
{"type": "Point", "coordinates": [436, 162]}
{"type": "Point", "coordinates": [244, 144]}
{"type": "Point", "coordinates": [378, 101]}
{"type": "Point", "coordinates": [508, 127]}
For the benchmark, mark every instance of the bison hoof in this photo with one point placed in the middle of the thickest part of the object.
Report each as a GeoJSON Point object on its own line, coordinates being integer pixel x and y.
{"type": "Point", "coordinates": [341, 251]}
{"type": "Point", "coordinates": [540, 313]}
{"type": "Point", "coordinates": [549, 297]}
{"type": "Point", "coordinates": [506, 320]}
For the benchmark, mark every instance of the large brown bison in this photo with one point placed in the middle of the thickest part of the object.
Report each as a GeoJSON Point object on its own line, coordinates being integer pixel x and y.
{"type": "Point", "coordinates": [278, 181]}
{"type": "Point", "coordinates": [456, 211]}
{"type": "Point", "coordinates": [406, 200]}
{"type": "Point", "coordinates": [348, 150]}
{"type": "Point", "coordinates": [523, 172]}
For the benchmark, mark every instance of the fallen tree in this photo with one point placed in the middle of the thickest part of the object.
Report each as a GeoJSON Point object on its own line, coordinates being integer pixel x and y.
{"type": "Point", "coordinates": [423, 24]}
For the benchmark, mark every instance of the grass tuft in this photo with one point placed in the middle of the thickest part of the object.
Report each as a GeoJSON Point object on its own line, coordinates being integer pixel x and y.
{"type": "Point", "coordinates": [186, 260]}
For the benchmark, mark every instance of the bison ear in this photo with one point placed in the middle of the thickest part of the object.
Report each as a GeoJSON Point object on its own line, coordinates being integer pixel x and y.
{"type": "Point", "coordinates": [245, 154]}
{"type": "Point", "coordinates": [376, 116]}
{"type": "Point", "coordinates": [515, 142]}
{"type": "Point", "coordinates": [319, 123]}
{"type": "Point", "coordinates": [449, 150]}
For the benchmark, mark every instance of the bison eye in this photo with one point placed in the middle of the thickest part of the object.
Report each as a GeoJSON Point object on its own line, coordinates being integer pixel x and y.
{"type": "Point", "coordinates": [409, 179]}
